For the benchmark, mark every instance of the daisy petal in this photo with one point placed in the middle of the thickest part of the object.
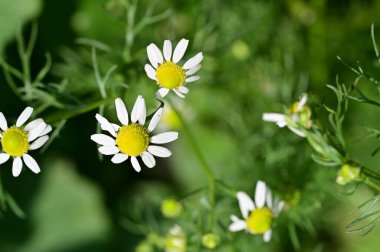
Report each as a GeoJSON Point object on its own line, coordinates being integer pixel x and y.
{"type": "Point", "coordinates": [119, 158]}
{"type": "Point", "coordinates": [267, 235]}
{"type": "Point", "coordinates": [148, 159]}
{"type": "Point", "coordinates": [31, 163]}
{"type": "Point", "coordinates": [103, 139]}
{"type": "Point", "coordinates": [3, 122]}
{"type": "Point", "coordinates": [192, 78]}
{"type": "Point", "coordinates": [183, 90]}
{"type": "Point", "coordinates": [149, 70]}
{"type": "Point", "coordinates": [121, 111]}
{"type": "Point", "coordinates": [34, 133]}
{"type": "Point", "coordinates": [178, 93]}
{"type": "Point", "coordinates": [167, 50]}
{"type": "Point", "coordinates": [108, 150]}
{"type": "Point", "coordinates": [275, 117]}
{"type": "Point", "coordinates": [193, 70]}
{"type": "Point", "coordinates": [297, 132]}
{"type": "Point", "coordinates": [151, 56]}
{"type": "Point", "coordinates": [38, 143]}
{"type": "Point", "coordinates": [4, 158]}
{"type": "Point", "coordinates": [46, 131]}
{"type": "Point", "coordinates": [154, 55]}
{"type": "Point", "coordinates": [105, 124]}
{"type": "Point", "coordinates": [193, 61]}
{"type": "Point", "coordinates": [136, 109]}
{"type": "Point", "coordinates": [278, 207]}
{"type": "Point", "coordinates": [155, 119]}
{"type": "Point", "coordinates": [159, 151]}
{"type": "Point", "coordinates": [180, 50]}
{"type": "Point", "coordinates": [302, 102]}
{"type": "Point", "coordinates": [245, 203]}
{"type": "Point", "coordinates": [16, 166]}
{"type": "Point", "coordinates": [269, 198]}
{"type": "Point", "coordinates": [163, 138]}
{"type": "Point", "coordinates": [142, 112]}
{"type": "Point", "coordinates": [24, 116]}
{"type": "Point", "coordinates": [260, 193]}
{"type": "Point", "coordinates": [237, 226]}
{"type": "Point", "coordinates": [162, 92]}
{"type": "Point", "coordinates": [135, 164]}
{"type": "Point", "coordinates": [115, 126]}
{"type": "Point", "coordinates": [32, 124]}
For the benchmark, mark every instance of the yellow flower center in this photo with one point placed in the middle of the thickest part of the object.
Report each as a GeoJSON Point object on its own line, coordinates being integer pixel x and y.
{"type": "Point", "coordinates": [260, 220]}
{"type": "Point", "coordinates": [15, 141]}
{"type": "Point", "coordinates": [294, 108]}
{"type": "Point", "coordinates": [132, 139]}
{"type": "Point", "coordinates": [170, 75]}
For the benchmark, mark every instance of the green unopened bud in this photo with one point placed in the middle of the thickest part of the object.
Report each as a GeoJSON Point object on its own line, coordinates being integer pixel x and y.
{"type": "Point", "coordinates": [347, 174]}
{"type": "Point", "coordinates": [240, 50]}
{"type": "Point", "coordinates": [171, 208]}
{"type": "Point", "coordinates": [176, 240]}
{"type": "Point", "coordinates": [210, 240]}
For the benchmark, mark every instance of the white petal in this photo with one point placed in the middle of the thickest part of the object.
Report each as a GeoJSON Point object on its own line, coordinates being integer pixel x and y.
{"type": "Point", "coordinates": [278, 207]}
{"type": "Point", "coordinates": [163, 138]}
{"type": "Point", "coordinates": [192, 78]}
{"type": "Point", "coordinates": [142, 112]}
{"type": "Point", "coordinates": [267, 235]}
{"type": "Point", "coordinates": [154, 55]}
{"type": "Point", "coordinates": [16, 166]}
{"type": "Point", "coordinates": [269, 198]}
{"type": "Point", "coordinates": [159, 151]}
{"type": "Point", "coordinates": [193, 61]}
{"type": "Point", "coordinates": [38, 143]}
{"type": "Point", "coordinates": [136, 109]}
{"type": "Point", "coordinates": [34, 133]}
{"type": "Point", "coordinates": [183, 90]}
{"type": "Point", "coordinates": [178, 93]}
{"type": "Point", "coordinates": [4, 158]}
{"type": "Point", "coordinates": [119, 158]}
{"type": "Point", "coordinates": [115, 126]}
{"type": "Point", "coordinates": [237, 225]}
{"type": "Point", "coordinates": [46, 131]}
{"type": "Point", "coordinates": [260, 193]}
{"type": "Point", "coordinates": [31, 163]}
{"type": "Point", "coordinates": [148, 159]}
{"type": "Point", "coordinates": [103, 139]}
{"type": "Point", "coordinates": [32, 124]}
{"type": "Point", "coordinates": [135, 164]}
{"type": "Point", "coordinates": [108, 150]}
{"type": "Point", "coordinates": [149, 70]}
{"type": "Point", "coordinates": [245, 203]}
{"type": "Point", "coordinates": [105, 124]}
{"type": "Point", "coordinates": [162, 92]}
{"type": "Point", "coordinates": [24, 116]}
{"type": "Point", "coordinates": [193, 70]}
{"type": "Point", "coordinates": [167, 50]}
{"type": "Point", "coordinates": [3, 122]}
{"type": "Point", "coordinates": [155, 119]}
{"type": "Point", "coordinates": [180, 50]}
{"type": "Point", "coordinates": [302, 102]}
{"type": "Point", "coordinates": [151, 56]}
{"type": "Point", "coordinates": [121, 111]}
{"type": "Point", "coordinates": [274, 117]}
{"type": "Point", "coordinates": [297, 131]}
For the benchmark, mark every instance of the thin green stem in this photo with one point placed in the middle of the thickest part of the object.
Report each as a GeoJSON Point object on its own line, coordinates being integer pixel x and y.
{"type": "Point", "coordinates": [372, 184]}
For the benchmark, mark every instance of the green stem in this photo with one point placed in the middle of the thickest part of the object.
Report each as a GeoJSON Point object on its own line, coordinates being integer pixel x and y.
{"type": "Point", "coordinates": [372, 184]}
{"type": "Point", "coordinates": [203, 164]}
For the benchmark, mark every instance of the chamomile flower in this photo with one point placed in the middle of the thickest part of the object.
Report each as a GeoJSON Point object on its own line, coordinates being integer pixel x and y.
{"type": "Point", "coordinates": [133, 139]}
{"type": "Point", "coordinates": [166, 71]}
{"type": "Point", "coordinates": [299, 113]}
{"type": "Point", "coordinates": [258, 216]}
{"type": "Point", "coordinates": [18, 140]}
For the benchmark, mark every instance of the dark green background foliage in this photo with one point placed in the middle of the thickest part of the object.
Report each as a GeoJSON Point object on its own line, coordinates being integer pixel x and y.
{"type": "Point", "coordinates": [259, 55]}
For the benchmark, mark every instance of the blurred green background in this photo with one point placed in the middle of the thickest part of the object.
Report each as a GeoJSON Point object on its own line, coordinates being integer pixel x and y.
{"type": "Point", "coordinates": [259, 55]}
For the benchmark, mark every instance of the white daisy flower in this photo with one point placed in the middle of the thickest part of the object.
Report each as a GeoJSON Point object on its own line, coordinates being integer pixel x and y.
{"type": "Point", "coordinates": [299, 113]}
{"type": "Point", "coordinates": [18, 140]}
{"type": "Point", "coordinates": [258, 216]}
{"type": "Point", "coordinates": [132, 138]}
{"type": "Point", "coordinates": [164, 68]}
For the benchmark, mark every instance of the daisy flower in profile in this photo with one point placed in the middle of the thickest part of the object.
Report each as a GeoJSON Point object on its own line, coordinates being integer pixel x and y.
{"type": "Point", "coordinates": [166, 71]}
{"type": "Point", "coordinates": [299, 115]}
{"type": "Point", "coordinates": [132, 139]}
{"type": "Point", "coordinates": [18, 140]}
{"type": "Point", "coordinates": [258, 216]}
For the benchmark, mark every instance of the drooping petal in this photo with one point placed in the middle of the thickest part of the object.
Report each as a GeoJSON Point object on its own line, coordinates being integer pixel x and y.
{"type": "Point", "coordinates": [108, 150]}
{"type": "Point", "coordinates": [193, 70]}
{"type": "Point", "coordinates": [121, 111]}
{"type": "Point", "coordinates": [103, 139]}
{"type": "Point", "coordinates": [297, 132]}
{"type": "Point", "coordinates": [3, 122]}
{"type": "Point", "coordinates": [4, 158]}
{"type": "Point", "coordinates": [39, 142]}
{"type": "Point", "coordinates": [36, 132]}
{"type": "Point", "coordinates": [275, 117]}
{"type": "Point", "coordinates": [267, 235]}
{"type": "Point", "coordinates": [31, 163]}
{"type": "Point", "coordinates": [192, 78]}
{"type": "Point", "coordinates": [245, 203]}
{"type": "Point", "coordinates": [178, 93]}
{"type": "Point", "coordinates": [149, 70]}
{"type": "Point", "coordinates": [32, 124]}
{"type": "Point", "coordinates": [119, 158]}
{"type": "Point", "coordinates": [24, 116]}
{"type": "Point", "coordinates": [148, 159]}
{"type": "Point", "coordinates": [260, 193]}
{"type": "Point", "coordinates": [167, 50]}
{"type": "Point", "coordinates": [105, 124]}
{"type": "Point", "coordinates": [163, 138]}
{"type": "Point", "coordinates": [16, 167]}
{"type": "Point", "coordinates": [159, 151]}
{"type": "Point", "coordinates": [183, 90]}
{"type": "Point", "coordinates": [155, 119]}
{"type": "Point", "coordinates": [162, 92]}
{"type": "Point", "coordinates": [156, 55]}
{"type": "Point", "coordinates": [193, 61]}
{"type": "Point", "coordinates": [135, 164]}
{"type": "Point", "coordinates": [180, 50]}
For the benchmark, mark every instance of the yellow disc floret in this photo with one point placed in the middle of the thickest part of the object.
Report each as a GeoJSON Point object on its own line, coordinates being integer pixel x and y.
{"type": "Point", "coordinates": [260, 220]}
{"type": "Point", "coordinates": [15, 141]}
{"type": "Point", "coordinates": [170, 75]}
{"type": "Point", "coordinates": [132, 139]}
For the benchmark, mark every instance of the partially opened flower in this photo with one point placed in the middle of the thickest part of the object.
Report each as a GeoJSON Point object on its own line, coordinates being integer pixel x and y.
{"type": "Point", "coordinates": [18, 140]}
{"type": "Point", "coordinates": [299, 114]}
{"type": "Point", "coordinates": [133, 139]}
{"type": "Point", "coordinates": [259, 214]}
{"type": "Point", "coordinates": [166, 71]}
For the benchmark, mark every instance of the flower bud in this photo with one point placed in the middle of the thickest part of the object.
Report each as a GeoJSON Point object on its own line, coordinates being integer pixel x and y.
{"type": "Point", "coordinates": [171, 208]}
{"type": "Point", "coordinates": [210, 240]}
{"type": "Point", "coordinates": [176, 240]}
{"type": "Point", "coordinates": [347, 174]}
